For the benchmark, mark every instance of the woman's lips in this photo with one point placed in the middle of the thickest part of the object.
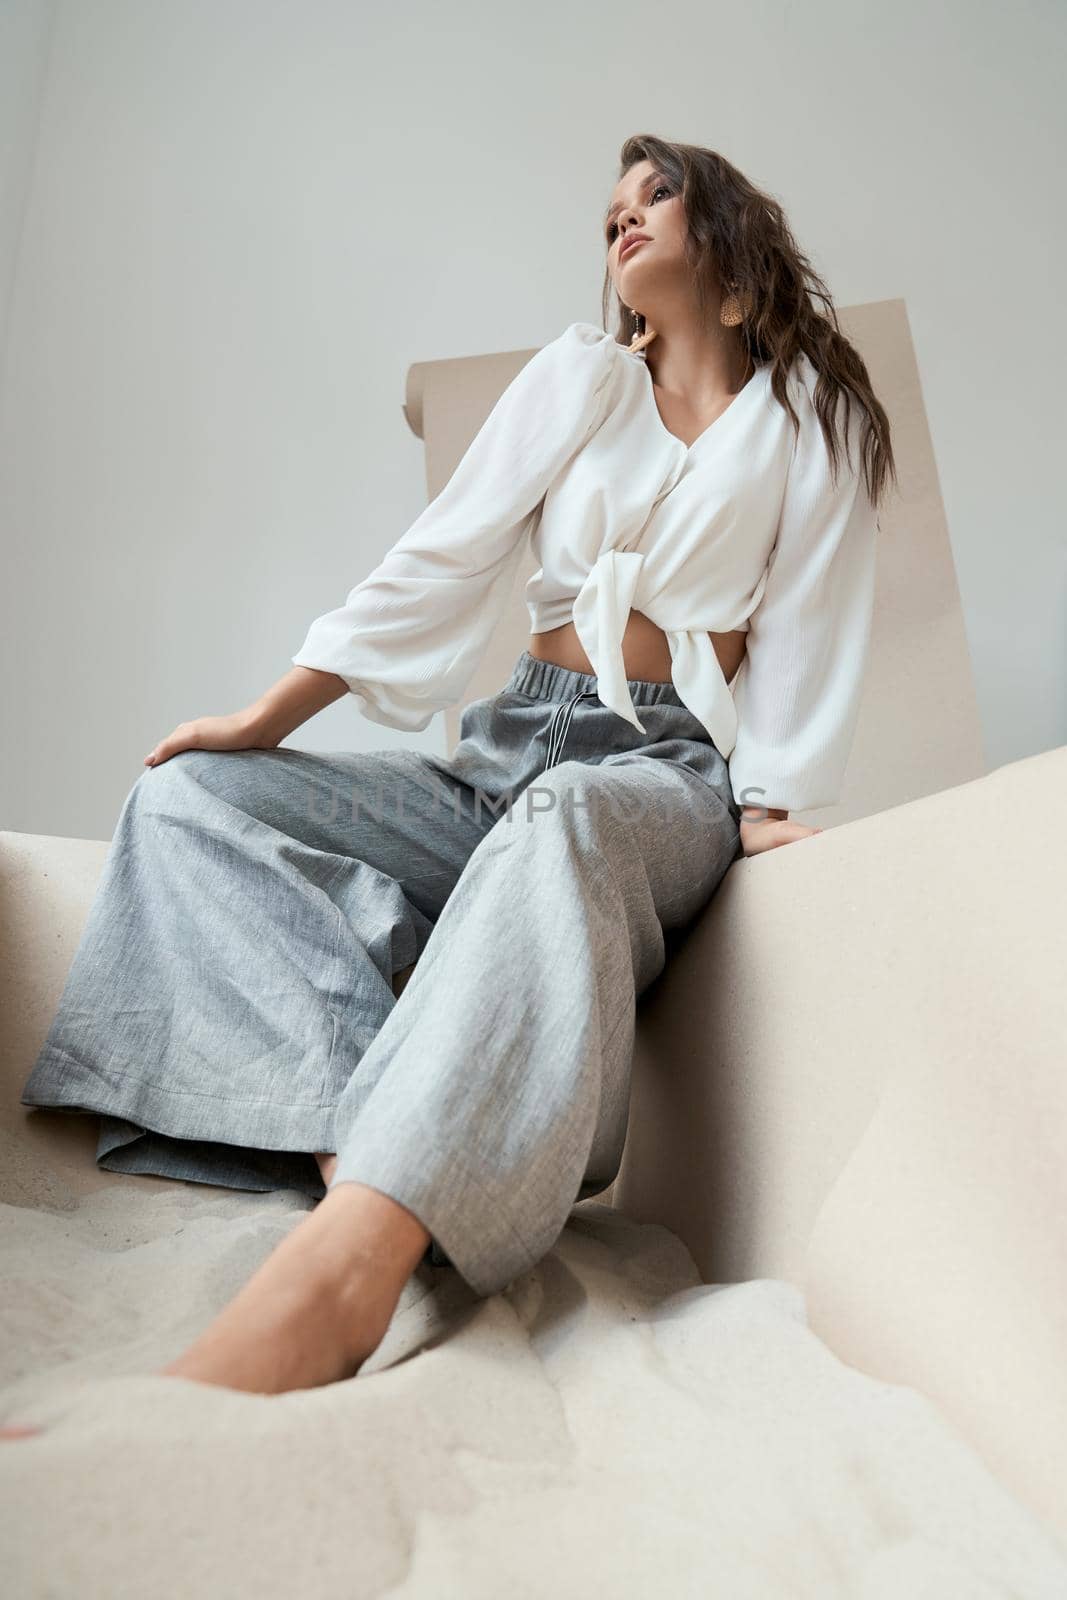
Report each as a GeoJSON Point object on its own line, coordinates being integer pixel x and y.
{"type": "Point", "coordinates": [635, 244]}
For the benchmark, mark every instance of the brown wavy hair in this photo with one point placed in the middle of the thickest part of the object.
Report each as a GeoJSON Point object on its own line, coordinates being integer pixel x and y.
{"type": "Point", "coordinates": [738, 236]}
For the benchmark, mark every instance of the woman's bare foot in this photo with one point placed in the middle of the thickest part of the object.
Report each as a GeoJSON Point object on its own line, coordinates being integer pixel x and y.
{"type": "Point", "coordinates": [321, 1302]}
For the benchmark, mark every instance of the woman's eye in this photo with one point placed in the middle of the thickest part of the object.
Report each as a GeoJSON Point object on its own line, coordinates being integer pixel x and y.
{"type": "Point", "coordinates": [661, 188]}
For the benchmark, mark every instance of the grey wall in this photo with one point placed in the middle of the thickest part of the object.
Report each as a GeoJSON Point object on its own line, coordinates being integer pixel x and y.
{"type": "Point", "coordinates": [228, 228]}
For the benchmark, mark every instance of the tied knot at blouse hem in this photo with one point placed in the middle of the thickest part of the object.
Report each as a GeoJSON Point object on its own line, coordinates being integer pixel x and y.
{"type": "Point", "coordinates": [742, 529]}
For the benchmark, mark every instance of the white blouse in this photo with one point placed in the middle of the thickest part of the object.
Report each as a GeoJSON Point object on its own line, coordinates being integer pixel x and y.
{"type": "Point", "coordinates": [741, 530]}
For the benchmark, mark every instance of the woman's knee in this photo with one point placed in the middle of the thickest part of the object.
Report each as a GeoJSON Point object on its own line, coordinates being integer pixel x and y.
{"type": "Point", "coordinates": [185, 778]}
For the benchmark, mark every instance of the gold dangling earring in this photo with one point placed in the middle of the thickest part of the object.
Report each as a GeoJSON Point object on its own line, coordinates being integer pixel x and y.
{"type": "Point", "coordinates": [639, 340]}
{"type": "Point", "coordinates": [730, 313]}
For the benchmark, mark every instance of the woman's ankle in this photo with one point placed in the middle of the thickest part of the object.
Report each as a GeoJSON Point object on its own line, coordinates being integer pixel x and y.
{"type": "Point", "coordinates": [364, 1239]}
{"type": "Point", "coordinates": [327, 1164]}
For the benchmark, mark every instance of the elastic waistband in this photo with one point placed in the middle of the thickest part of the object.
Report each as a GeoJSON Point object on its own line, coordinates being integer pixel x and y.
{"type": "Point", "coordinates": [544, 680]}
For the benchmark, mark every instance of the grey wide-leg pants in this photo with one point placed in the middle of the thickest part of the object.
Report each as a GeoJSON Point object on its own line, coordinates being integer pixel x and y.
{"type": "Point", "coordinates": [230, 1008]}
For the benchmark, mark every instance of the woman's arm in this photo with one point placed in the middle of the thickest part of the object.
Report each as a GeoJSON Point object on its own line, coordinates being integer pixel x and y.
{"type": "Point", "coordinates": [799, 685]}
{"type": "Point", "coordinates": [301, 693]}
{"type": "Point", "coordinates": [261, 726]}
{"type": "Point", "coordinates": [409, 636]}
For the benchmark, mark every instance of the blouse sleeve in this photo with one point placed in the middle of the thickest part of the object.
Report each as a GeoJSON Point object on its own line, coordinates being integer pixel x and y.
{"type": "Point", "coordinates": [409, 636]}
{"type": "Point", "coordinates": [798, 689]}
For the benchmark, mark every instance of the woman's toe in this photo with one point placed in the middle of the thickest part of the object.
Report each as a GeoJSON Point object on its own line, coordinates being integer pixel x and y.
{"type": "Point", "coordinates": [19, 1430]}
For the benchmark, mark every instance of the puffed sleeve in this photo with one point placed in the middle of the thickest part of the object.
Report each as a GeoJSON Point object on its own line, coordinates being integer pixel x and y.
{"type": "Point", "coordinates": [798, 688]}
{"type": "Point", "coordinates": [409, 636]}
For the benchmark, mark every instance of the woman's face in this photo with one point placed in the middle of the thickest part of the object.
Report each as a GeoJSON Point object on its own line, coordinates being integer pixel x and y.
{"type": "Point", "coordinates": [644, 202]}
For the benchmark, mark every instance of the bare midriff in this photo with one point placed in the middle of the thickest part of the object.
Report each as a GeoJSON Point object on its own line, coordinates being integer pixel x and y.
{"type": "Point", "coordinates": [645, 651]}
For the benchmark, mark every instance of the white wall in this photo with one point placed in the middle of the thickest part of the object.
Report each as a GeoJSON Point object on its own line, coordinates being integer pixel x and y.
{"type": "Point", "coordinates": [230, 225]}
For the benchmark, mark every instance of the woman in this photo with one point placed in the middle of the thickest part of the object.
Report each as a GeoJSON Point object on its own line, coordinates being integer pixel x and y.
{"type": "Point", "coordinates": [703, 482]}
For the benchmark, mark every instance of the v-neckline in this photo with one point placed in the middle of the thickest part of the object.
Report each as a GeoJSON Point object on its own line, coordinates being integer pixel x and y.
{"type": "Point", "coordinates": [688, 449]}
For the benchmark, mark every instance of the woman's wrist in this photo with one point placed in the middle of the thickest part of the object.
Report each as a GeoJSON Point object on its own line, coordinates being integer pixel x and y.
{"type": "Point", "coordinates": [300, 694]}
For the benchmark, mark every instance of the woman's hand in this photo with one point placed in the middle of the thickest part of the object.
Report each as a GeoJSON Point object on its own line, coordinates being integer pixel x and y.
{"type": "Point", "coordinates": [769, 833]}
{"type": "Point", "coordinates": [262, 725]}
{"type": "Point", "coordinates": [243, 730]}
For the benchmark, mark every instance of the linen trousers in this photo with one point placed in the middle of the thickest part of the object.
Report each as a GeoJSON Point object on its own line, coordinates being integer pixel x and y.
{"type": "Point", "coordinates": [230, 1008]}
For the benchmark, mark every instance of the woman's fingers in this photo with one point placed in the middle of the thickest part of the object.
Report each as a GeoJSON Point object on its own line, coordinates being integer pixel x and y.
{"type": "Point", "coordinates": [241, 730]}
{"type": "Point", "coordinates": [772, 832]}
{"type": "Point", "coordinates": [186, 736]}
{"type": "Point", "coordinates": [166, 747]}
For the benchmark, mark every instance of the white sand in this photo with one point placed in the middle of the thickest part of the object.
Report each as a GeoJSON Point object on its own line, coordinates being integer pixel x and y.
{"type": "Point", "coordinates": [608, 1427]}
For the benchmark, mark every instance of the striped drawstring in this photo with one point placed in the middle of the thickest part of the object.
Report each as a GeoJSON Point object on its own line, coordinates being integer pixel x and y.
{"type": "Point", "coordinates": [560, 724]}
